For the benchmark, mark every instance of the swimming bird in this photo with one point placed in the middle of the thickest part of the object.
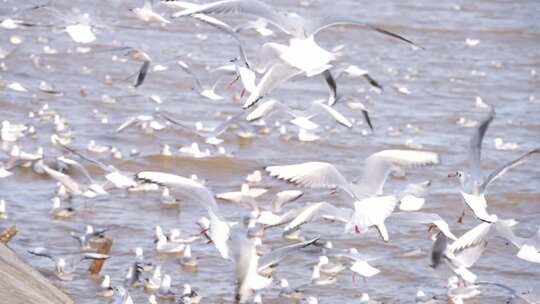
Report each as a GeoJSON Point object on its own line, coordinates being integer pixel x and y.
{"type": "Point", "coordinates": [65, 270]}
{"type": "Point", "coordinates": [58, 212]}
{"type": "Point", "coordinates": [105, 287]}
{"type": "Point", "coordinates": [473, 185]}
{"type": "Point", "coordinates": [121, 296]}
{"type": "Point", "coordinates": [376, 170]}
{"type": "Point", "coordinates": [188, 261]}
{"type": "Point", "coordinates": [164, 292]}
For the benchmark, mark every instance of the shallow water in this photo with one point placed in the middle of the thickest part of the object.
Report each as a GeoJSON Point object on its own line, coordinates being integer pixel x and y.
{"type": "Point", "coordinates": [444, 81]}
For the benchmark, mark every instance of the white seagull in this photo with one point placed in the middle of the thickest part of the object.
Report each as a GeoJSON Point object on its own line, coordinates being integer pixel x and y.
{"type": "Point", "coordinates": [377, 168]}
{"type": "Point", "coordinates": [473, 185]}
{"type": "Point", "coordinates": [219, 229]}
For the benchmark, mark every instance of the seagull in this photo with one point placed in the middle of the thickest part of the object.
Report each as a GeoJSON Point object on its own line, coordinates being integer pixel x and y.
{"type": "Point", "coordinates": [246, 269]}
{"type": "Point", "coordinates": [473, 185]}
{"type": "Point", "coordinates": [190, 296]}
{"type": "Point", "coordinates": [302, 55]}
{"type": "Point", "coordinates": [148, 123]}
{"type": "Point", "coordinates": [274, 257]}
{"type": "Point", "coordinates": [164, 246]}
{"type": "Point", "coordinates": [377, 168]}
{"type": "Point", "coordinates": [371, 213]}
{"type": "Point", "coordinates": [164, 292]}
{"type": "Point", "coordinates": [426, 219]}
{"type": "Point", "coordinates": [209, 93]}
{"type": "Point", "coordinates": [65, 270]}
{"type": "Point", "coordinates": [97, 188]}
{"type": "Point", "coordinates": [58, 212]}
{"type": "Point", "coordinates": [121, 296]}
{"type": "Point", "coordinates": [154, 281]}
{"type": "Point", "coordinates": [105, 287]}
{"type": "Point", "coordinates": [188, 261]}
{"type": "Point", "coordinates": [410, 197]}
{"type": "Point", "coordinates": [301, 120]}
{"type": "Point", "coordinates": [147, 13]}
{"type": "Point", "coordinates": [89, 234]}
{"type": "Point", "coordinates": [113, 176]}
{"type": "Point", "coordinates": [462, 253]}
{"type": "Point", "coordinates": [247, 195]}
{"type": "Point", "coordinates": [285, 197]}
{"type": "Point", "coordinates": [72, 187]}
{"type": "Point", "coordinates": [219, 229]}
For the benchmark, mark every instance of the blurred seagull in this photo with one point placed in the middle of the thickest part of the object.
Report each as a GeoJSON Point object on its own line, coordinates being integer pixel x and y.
{"type": "Point", "coordinates": [64, 269]}
{"type": "Point", "coordinates": [219, 229]}
{"type": "Point", "coordinates": [147, 13]}
{"type": "Point", "coordinates": [473, 185]}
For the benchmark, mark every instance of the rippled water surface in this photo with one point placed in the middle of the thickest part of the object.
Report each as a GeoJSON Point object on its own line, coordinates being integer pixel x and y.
{"type": "Point", "coordinates": [444, 81]}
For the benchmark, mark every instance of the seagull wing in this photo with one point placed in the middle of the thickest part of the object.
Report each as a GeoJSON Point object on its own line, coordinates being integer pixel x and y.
{"type": "Point", "coordinates": [222, 26]}
{"type": "Point", "coordinates": [470, 246]}
{"type": "Point", "coordinates": [248, 7]}
{"type": "Point", "coordinates": [189, 188]}
{"type": "Point", "coordinates": [42, 252]}
{"type": "Point", "coordinates": [188, 70]}
{"type": "Point", "coordinates": [277, 255]}
{"type": "Point", "coordinates": [331, 21]}
{"type": "Point", "coordinates": [338, 117]}
{"type": "Point", "coordinates": [379, 165]}
{"type": "Point", "coordinates": [71, 185]}
{"type": "Point", "coordinates": [276, 74]}
{"type": "Point", "coordinates": [475, 146]}
{"type": "Point", "coordinates": [143, 71]}
{"type": "Point", "coordinates": [126, 124]}
{"type": "Point", "coordinates": [331, 81]}
{"type": "Point", "coordinates": [318, 210]}
{"type": "Point", "coordinates": [503, 169]}
{"type": "Point", "coordinates": [312, 175]}
{"type": "Point", "coordinates": [424, 218]}
{"type": "Point", "coordinates": [106, 168]}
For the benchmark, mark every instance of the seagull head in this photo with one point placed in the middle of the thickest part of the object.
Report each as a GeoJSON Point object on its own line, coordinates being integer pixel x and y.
{"type": "Point", "coordinates": [459, 175]}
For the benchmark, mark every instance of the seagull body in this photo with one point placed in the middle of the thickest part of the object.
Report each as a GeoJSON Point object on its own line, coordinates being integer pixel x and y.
{"type": "Point", "coordinates": [246, 269]}
{"type": "Point", "coordinates": [473, 185]}
{"type": "Point", "coordinates": [147, 14]}
{"type": "Point", "coordinates": [105, 287]}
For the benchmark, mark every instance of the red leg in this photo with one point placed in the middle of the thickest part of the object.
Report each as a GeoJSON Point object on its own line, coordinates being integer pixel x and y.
{"type": "Point", "coordinates": [356, 229]}
{"type": "Point", "coordinates": [460, 220]}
